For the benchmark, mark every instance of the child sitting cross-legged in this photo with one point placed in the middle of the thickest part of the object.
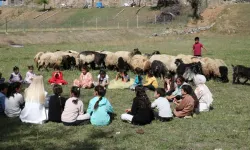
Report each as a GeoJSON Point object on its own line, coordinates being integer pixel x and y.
{"type": "Point", "coordinates": [162, 104]}
{"type": "Point", "coordinates": [73, 113]}
{"type": "Point", "coordinates": [151, 82]}
{"type": "Point", "coordinates": [100, 108]}
{"type": "Point", "coordinates": [57, 77]}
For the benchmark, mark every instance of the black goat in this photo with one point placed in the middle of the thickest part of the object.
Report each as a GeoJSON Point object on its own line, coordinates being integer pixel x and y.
{"type": "Point", "coordinates": [240, 71]}
{"type": "Point", "coordinates": [194, 67]}
{"type": "Point", "coordinates": [158, 69]}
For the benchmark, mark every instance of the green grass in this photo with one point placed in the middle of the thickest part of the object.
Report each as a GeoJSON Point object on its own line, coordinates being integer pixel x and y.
{"type": "Point", "coordinates": [226, 127]}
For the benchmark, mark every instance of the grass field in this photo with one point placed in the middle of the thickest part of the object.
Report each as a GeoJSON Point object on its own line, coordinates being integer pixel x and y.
{"type": "Point", "coordinates": [225, 127]}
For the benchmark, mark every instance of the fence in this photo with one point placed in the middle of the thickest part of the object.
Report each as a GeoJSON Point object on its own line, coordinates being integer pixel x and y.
{"type": "Point", "coordinates": [54, 21]}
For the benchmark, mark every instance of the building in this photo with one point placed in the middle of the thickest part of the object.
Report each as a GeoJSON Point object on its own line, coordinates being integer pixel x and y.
{"type": "Point", "coordinates": [11, 2]}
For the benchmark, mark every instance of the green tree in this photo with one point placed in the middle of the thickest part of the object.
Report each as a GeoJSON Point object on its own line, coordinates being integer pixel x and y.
{"type": "Point", "coordinates": [195, 4]}
{"type": "Point", "coordinates": [44, 2]}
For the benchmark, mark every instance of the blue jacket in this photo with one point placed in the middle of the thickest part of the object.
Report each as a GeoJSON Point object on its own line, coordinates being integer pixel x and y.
{"type": "Point", "coordinates": [100, 116]}
{"type": "Point", "coordinates": [2, 103]}
{"type": "Point", "coordinates": [138, 80]}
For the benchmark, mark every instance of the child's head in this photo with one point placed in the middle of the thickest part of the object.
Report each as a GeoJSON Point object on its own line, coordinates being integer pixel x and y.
{"type": "Point", "coordinates": [99, 91]}
{"type": "Point", "coordinates": [180, 80]}
{"type": "Point", "coordinates": [150, 73]}
{"type": "Point", "coordinates": [159, 92]}
{"type": "Point", "coordinates": [142, 97]}
{"type": "Point", "coordinates": [138, 71]}
{"type": "Point", "coordinates": [102, 73]}
{"type": "Point", "coordinates": [16, 70]}
{"type": "Point", "coordinates": [75, 91]}
{"type": "Point", "coordinates": [13, 88]}
{"type": "Point", "coordinates": [31, 68]}
{"type": "Point", "coordinates": [196, 39]}
{"type": "Point", "coordinates": [84, 69]}
{"type": "Point", "coordinates": [56, 68]}
{"type": "Point", "coordinates": [4, 88]}
{"type": "Point", "coordinates": [168, 78]}
{"type": "Point", "coordinates": [57, 89]}
{"type": "Point", "coordinates": [186, 89]}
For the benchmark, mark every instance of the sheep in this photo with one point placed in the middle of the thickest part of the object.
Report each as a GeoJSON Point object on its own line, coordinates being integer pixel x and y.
{"type": "Point", "coordinates": [92, 58]}
{"type": "Point", "coordinates": [187, 59]}
{"type": "Point", "coordinates": [158, 69]}
{"type": "Point", "coordinates": [240, 71]}
{"type": "Point", "coordinates": [214, 68]}
{"type": "Point", "coordinates": [49, 59]}
{"type": "Point", "coordinates": [111, 60]}
{"type": "Point", "coordinates": [127, 55]}
{"type": "Point", "coordinates": [167, 60]}
{"type": "Point", "coordinates": [122, 65]}
{"type": "Point", "coordinates": [154, 53]}
{"type": "Point", "coordinates": [37, 57]}
{"type": "Point", "coordinates": [140, 62]}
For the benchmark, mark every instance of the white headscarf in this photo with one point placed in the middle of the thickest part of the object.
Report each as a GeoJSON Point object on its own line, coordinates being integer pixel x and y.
{"type": "Point", "coordinates": [35, 92]}
{"type": "Point", "coordinates": [202, 92]}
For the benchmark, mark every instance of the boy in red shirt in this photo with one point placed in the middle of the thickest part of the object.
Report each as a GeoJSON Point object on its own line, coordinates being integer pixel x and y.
{"type": "Point", "coordinates": [197, 47]}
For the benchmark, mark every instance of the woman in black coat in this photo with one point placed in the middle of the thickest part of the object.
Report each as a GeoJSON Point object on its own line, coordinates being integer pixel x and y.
{"type": "Point", "coordinates": [140, 112]}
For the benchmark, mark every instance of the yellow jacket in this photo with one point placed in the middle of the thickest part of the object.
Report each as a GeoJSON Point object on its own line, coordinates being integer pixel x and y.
{"type": "Point", "coordinates": [151, 80]}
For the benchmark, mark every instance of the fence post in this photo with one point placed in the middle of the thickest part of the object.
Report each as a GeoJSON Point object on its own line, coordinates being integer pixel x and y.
{"type": "Point", "coordinates": [155, 18]}
{"type": "Point", "coordinates": [6, 25]}
{"type": "Point", "coordinates": [82, 24]}
{"type": "Point", "coordinates": [95, 23]}
{"type": "Point", "coordinates": [127, 23]}
{"type": "Point", "coordinates": [137, 21]}
{"type": "Point", "coordinates": [118, 25]}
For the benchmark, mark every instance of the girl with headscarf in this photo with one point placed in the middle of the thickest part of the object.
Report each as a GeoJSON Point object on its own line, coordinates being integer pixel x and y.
{"type": "Point", "coordinates": [34, 110]}
{"type": "Point", "coordinates": [202, 92]}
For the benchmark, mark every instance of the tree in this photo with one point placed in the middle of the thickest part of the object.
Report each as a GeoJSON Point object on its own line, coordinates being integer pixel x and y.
{"type": "Point", "coordinates": [166, 3]}
{"type": "Point", "coordinates": [44, 2]}
{"type": "Point", "coordinates": [195, 4]}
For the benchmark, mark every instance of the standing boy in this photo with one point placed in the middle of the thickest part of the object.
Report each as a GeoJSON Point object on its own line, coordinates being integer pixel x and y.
{"type": "Point", "coordinates": [197, 47]}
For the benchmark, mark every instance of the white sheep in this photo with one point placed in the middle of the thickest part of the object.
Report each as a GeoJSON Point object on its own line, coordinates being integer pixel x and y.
{"type": "Point", "coordinates": [111, 59]}
{"type": "Point", "coordinates": [140, 61]}
{"type": "Point", "coordinates": [168, 60]}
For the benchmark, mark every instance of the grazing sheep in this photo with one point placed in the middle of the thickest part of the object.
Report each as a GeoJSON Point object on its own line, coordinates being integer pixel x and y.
{"type": "Point", "coordinates": [49, 59]}
{"type": "Point", "coordinates": [158, 69]}
{"type": "Point", "coordinates": [122, 65]}
{"type": "Point", "coordinates": [167, 60]}
{"type": "Point", "coordinates": [187, 59]}
{"type": "Point", "coordinates": [111, 60]}
{"type": "Point", "coordinates": [240, 71]}
{"type": "Point", "coordinates": [92, 58]}
{"type": "Point", "coordinates": [127, 55]}
{"type": "Point", "coordinates": [154, 53]}
{"type": "Point", "coordinates": [37, 57]}
{"type": "Point", "coordinates": [141, 62]}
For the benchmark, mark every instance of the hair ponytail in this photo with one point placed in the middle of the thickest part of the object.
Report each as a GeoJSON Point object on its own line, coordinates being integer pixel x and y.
{"type": "Point", "coordinates": [76, 91]}
{"type": "Point", "coordinates": [101, 92]}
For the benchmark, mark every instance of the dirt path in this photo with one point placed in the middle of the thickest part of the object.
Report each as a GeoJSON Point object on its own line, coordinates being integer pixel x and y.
{"type": "Point", "coordinates": [209, 16]}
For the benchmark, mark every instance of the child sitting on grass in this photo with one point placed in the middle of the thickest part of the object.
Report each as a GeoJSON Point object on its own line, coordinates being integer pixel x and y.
{"type": "Point", "coordinates": [56, 104]}
{"type": "Point", "coordinates": [141, 112]}
{"type": "Point", "coordinates": [186, 106]}
{"type": "Point", "coordinates": [15, 76]}
{"type": "Point", "coordinates": [151, 82]}
{"type": "Point", "coordinates": [29, 75]}
{"type": "Point", "coordinates": [3, 93]}
{"type": "Point", "coordinates": [85, 80]}
{"type": "Point", "coordinates": [138, 79]}
{"type": "Point", "coordinates": [57, 77]}
{"type": "Point", "coordinates": [163, 106]}
{"type": "Point", "coordinates": [1, 79]}
{"type": "Point", "coordinates": [169, 84]}
{"type": "Point", "coordinates": [73, 113]}
{"type": "Point", "coordinates": [100, 108]}
{"type": "Point", "coordinates": [14, 101]}
{"type": "Point", "coordinates": [123, 75]}
{"type": "Point", "coordinates": [103, 79]}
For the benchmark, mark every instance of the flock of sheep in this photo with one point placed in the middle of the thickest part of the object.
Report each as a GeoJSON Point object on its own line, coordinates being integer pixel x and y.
{"type": "Point", "coordinates": [160, 64]}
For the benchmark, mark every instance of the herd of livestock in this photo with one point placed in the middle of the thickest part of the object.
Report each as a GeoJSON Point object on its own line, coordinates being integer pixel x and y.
{"type": "Point", "coordinates": [160, 64]}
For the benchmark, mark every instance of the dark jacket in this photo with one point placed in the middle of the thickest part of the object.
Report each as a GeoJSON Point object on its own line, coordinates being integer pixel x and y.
{"type": "Point", "coordinates": [142, 116]}
{"type": "Point", "coordinates": [56, 107]}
